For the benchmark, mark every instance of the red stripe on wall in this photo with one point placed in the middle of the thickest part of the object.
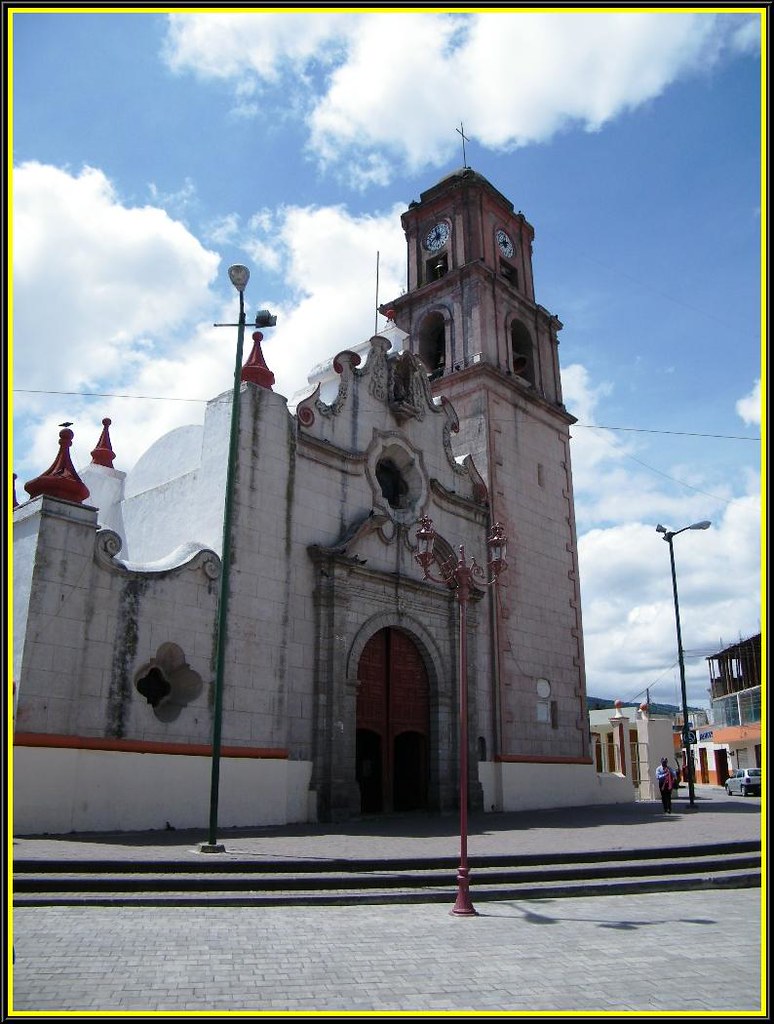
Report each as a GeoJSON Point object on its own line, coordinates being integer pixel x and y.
{"type": "Point", "coordinates": [44, 739]}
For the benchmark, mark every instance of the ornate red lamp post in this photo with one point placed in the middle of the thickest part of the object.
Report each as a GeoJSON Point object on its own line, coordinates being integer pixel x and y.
{"type": "Point", "coordinates": [461, 574]}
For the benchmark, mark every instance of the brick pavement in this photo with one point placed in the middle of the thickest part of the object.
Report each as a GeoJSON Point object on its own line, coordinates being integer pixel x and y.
{"type": "Point", "coordinates": [686, 953]}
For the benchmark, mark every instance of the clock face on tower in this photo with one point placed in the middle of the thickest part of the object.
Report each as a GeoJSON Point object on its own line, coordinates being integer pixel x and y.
{"type": "Point", "coordinates": [504, 243]}
{"type": "Point", "coordinates": [437, 237]}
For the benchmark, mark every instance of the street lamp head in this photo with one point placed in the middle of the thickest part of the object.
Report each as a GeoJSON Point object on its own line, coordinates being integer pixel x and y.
{"type": "Point", "coordinates": [239, 276]}
{"type": "Point", "coordinates": [497, 544]}
{"type": "Point", "coordinates": [425, 541]}
{"type": "Point", "coordinates": [668, 534]}
{"type": "Point", "coordinates": [263, 318]}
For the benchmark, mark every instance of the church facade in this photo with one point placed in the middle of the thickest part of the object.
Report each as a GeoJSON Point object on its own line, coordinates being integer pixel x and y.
{"type": "Point", "coordinates": [341, 675]}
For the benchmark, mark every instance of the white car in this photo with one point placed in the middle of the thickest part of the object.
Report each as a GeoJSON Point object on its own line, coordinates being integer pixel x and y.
{"type": "Point", "coordinates": [746, 781]}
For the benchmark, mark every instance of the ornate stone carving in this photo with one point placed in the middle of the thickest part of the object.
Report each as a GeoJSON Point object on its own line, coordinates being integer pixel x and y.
{"type": "Point", "coordinates": [352, 534]}
{"type": "Point", "coordinates": [192, 556]}
{"type": "Point", "coordinates": [409, 395]}
{"type": "Point", "coordinates": [376, 368]}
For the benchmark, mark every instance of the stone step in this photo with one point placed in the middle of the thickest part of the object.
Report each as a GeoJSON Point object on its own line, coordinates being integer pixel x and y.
{"type": "Point", "coordinates": [288, 879]}
{"type": "Point", "coordinates": [248, 883]}
{"type": "Point", "coordinates": [428, 894]}
{"type": "Point", "coordinates": [222, 863]}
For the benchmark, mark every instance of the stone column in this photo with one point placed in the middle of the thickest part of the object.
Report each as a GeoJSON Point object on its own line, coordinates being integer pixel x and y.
{"type": "Point", "coordinates": [620, 724]}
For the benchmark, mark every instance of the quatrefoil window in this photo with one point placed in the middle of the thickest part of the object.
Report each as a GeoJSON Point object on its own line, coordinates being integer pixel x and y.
{"type": "Point", "coordinates": [167, 682]}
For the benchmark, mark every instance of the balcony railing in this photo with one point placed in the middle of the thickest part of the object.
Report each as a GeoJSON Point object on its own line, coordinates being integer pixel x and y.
{"type": "Point", "coordinates": [738, 709]}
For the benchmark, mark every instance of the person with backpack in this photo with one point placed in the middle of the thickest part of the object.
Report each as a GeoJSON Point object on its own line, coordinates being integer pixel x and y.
{"type": "Point", "coordinates": [666, 779]}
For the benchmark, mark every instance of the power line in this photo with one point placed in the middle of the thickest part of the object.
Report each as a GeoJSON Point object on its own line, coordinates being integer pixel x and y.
{"type": "Point", "coordinates": [682, 483]}
{"type": "Point", "coordinates": [106, 394]}
{"type": "Point", "coordinates": [588, 426]}
{"type": "Point", "coordinates": [679, 433]}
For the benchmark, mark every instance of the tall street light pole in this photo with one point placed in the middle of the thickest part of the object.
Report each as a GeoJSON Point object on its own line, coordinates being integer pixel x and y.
{"type": "Point", "coordinates": [239, 276]}
{"type": "Point", "coordinates": [669, 536]}
{"type": "Point", "coordinates": [462, 574]}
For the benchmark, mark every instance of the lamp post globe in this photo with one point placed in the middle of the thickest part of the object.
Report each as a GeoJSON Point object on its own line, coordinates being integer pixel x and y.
{"type": "Point", "coordinates": [239, 276]}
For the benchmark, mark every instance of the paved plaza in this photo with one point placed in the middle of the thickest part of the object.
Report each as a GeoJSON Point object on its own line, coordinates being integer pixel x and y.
{"type": "Point", "coordinates": [687, 953]}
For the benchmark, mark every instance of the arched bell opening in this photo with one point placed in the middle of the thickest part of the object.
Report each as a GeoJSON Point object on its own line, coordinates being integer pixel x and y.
{"type": "Point", "coordinates": [522, 360]}
{"type": "Point", "coordinates": [432, 344]}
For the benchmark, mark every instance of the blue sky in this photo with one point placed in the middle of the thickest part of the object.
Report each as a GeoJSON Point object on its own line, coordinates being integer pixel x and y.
{"type": "Point", "coordinates": [152, 151]}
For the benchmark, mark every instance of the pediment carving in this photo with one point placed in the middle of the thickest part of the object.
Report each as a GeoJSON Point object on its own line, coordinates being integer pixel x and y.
{"type": "Point", "coordinates": [352, 535]}
{"type": "Point", "coordinates": [409, 395]}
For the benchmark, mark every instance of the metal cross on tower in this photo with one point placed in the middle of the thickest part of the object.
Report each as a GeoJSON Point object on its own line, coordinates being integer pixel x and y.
{"type": "Point", "coordinates": [461, 131]}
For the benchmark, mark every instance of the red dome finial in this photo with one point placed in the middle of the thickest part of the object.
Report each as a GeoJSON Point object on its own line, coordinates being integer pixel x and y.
{"type": "Point", "coordinates": [255, 369]}
{"type": "Point", "coordinates": [60, 480]}
{"type": "Point", "coordinates": [103, 454]}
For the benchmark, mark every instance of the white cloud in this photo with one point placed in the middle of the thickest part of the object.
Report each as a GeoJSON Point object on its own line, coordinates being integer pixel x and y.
{"type": "Point", "coordinates": [379, 84]}
{"type": "Point", "coordinates": [176, 202]}
{"type": "Point", "coordinates": [99, 289]}
{"type": "Point", "coordinates": [223, 230]}
{"type": "Point", "coordinates": [128, 308]}
{"type": "Point", "coordinates": [393, 92]}
{"type": "Point", "coordinates": [749, 407]}
{"type": "Point", "coordinates": [628, 606]}
{"type": "Point", "coordinates": [746, 34]}
{"type": "Point", "coordinates": [330, 263]}
{"type": "Point", "coordinates": [627, 603]}
{"type": "Point", "coordinates": [617, 479]}
{"type": "Point", "coordinates": [95, 274]}
{"type": "Point", "coordinates": [227, 46]}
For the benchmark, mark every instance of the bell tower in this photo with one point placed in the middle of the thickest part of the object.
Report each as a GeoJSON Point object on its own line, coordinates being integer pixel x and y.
{"type": "Point", "coordinates": [492, 350]}
{"type": "Point", "coordinates": [471, 295]}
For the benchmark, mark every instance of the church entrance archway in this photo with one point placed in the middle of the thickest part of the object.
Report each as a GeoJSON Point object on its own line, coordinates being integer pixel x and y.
{"type": "Point", "coordinates": [393, 724]}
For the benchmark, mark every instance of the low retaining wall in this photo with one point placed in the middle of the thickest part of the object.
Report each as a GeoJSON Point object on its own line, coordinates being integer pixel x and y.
{"type": "Point", "coordinates": [60, 790]}
{"type": "Point", "coordinates": [527, 786]}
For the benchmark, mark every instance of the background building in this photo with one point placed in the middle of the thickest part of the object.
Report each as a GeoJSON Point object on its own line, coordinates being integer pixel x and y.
{"type": "Point", "coordinates": [632, 739]}
{"type": "Point", "coordinates": [735, 691]}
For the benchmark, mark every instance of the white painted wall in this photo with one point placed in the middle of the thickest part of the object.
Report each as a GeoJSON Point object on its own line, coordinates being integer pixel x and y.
{"type": "Point", "coordinates": [26, 524]}
{"type": "Point", "coordinates": [175, 492]}
{"type": "Point", "coordinates": [67, 523]}
{"type": "Point", "coordinates": [655, 741]}
{"type": "Point", "coordinates": [520, 786]}
{"type": "Point", "coordinates": [60, 790]}
{"type": "Point", "coordinates": [106, 491]}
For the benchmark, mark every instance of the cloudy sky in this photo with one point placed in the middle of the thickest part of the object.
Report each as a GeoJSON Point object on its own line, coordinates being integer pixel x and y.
{"type": "Point", "coordinates": [152, 151]}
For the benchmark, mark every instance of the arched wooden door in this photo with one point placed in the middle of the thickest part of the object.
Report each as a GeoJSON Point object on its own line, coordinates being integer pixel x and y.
{"type": "Point", "coordinates": [393, 724]}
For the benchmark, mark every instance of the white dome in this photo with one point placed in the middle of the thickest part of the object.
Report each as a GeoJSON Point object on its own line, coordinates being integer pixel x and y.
{"type": "Point", "coordinates": [174, 454]}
